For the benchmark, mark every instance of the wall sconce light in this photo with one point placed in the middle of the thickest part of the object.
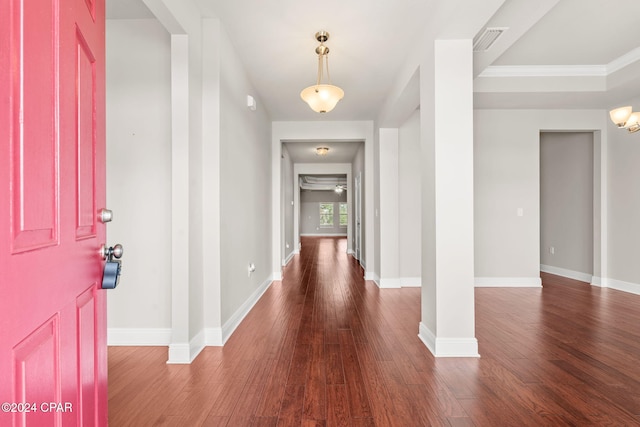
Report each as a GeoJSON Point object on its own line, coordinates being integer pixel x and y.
{"type": "Point", "coordinates": [322, 151]}
{"type": "Point", "coordinates": [339, 189]}
{"type": "Point", "coordinates": [625, 118]}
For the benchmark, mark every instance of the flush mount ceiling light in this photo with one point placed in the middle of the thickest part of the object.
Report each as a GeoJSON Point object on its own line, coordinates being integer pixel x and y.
{"type": "Point", "coordinates": [322, 97]}
{"type": "Point", "coordinates": [625, 118]}
{"type": "Point", "coordinates": [322, 151]}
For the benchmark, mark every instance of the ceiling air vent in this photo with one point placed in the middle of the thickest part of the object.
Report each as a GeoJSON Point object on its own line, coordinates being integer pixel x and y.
{"type": "Point", "coordinates": [486, 39]}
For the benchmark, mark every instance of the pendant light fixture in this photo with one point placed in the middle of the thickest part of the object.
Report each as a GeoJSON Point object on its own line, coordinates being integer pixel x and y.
{"type": "Point", "coordinates": [322, 97]}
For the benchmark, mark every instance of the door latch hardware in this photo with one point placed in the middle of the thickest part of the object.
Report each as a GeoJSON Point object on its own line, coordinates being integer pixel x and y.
{"type": "Point", "coordinates": [112, 267]}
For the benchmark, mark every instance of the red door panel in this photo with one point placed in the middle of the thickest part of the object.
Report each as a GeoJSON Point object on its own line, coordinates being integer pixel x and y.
{"type": "Point", "coordinates": [52, 185]}
{"type": "Point", "coordinates": [32, 125]}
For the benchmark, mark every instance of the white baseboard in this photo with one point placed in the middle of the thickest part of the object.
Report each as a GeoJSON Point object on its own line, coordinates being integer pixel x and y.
{"type": "Point", "coordinates": [575, 275]}
{"type": "Point", "coordinates": [276, 275]}
{"type": "Point", "coordinates": [324, 235]}
{"type": "Point", "coordinates": [138, 336]}
{"type": "Point", "coordinates": [289, 258]}
{"type": "Point", "coordinates": [619, 285]}
{"type": "Point", "coordinates": [508, 282]}
{"type": "Point", "coordinates": [597, 281]}
{"type": "Point", "coordinates": [399, 282]}
{"type": "Point", "coordinates": [389, 283]}
{"type": "Point", "coordinates": [196, 345]}
{"type": "Point", "coordinates": [448, 347]}
{"type": "Point", "coordinates": [411, 282]}
{"type": "Point", "coordinates": [233, 322]}
{"type": "Point", "coordinates": [213, 337]}
{"type": "Point", "coordinates": [179, 353]}
{"type": "Point", "coordinates": [183, 353]}
{"type": "Point", "coordinates": [372, 276]}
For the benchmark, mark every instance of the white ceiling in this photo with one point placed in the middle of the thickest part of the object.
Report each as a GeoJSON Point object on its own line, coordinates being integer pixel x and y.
{"type": "Point", "coordinates": [371, 40]}
{"type": "Point", "coordinates": [579, 32]}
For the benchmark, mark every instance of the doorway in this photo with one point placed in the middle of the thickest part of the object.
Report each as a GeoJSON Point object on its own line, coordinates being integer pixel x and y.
{"type": "Point", "coordinates": [567, 204]}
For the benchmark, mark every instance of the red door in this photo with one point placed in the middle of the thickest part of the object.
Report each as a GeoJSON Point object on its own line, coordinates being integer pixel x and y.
{"type": "Point", "coordinates": [52, 184]}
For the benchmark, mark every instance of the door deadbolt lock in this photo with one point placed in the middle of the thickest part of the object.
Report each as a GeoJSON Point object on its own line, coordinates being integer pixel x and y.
{"type": "Point", "coordinates": [112, 267]}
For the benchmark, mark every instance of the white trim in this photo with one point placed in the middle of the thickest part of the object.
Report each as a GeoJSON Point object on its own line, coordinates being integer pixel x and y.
{"type": "Point", "coordinates": [576, 275]}
{"type": "Point", "coordinates": [391, 283]}
{"type": "Point", "coordinates": [197, 344]}
{"type": "Point", "coordinates": [448, 347]}
{"type": "Point", "coordinates": [179, 354]}
{"type": "Point", "coordinates": [276, 275]}
{"type": "Point", "coordinates": [623, 61]}
{"type": "Point", "coordinates": [289, 258]}
{"type": "Point", "coordinates": [545, 71]}
{"type": "Point", "coordinates": [617, 64]}
{"type": "Point", "coordinates": [619, 285]}
{"type": "Point", "coordinates": [398, 282]}
{"type": "Point", "coordinates": [597, 281]}
{"type": "Point", "coordinates": [183, 353]}
{"type": "Point", "coordinates": [139, 336]}
{"type": "Point", "coordinates": [237, 317]}
{"type": "Point", "coordinates": [508, 282]}
{"type": "Point", "coordinates": [411, 282]}
{"type": "Point", "coordinates": [372, 276]}
{"type": "Point", "coordinates": [213, 337]}
{"type": "Point", "coordinates": [323, 234]}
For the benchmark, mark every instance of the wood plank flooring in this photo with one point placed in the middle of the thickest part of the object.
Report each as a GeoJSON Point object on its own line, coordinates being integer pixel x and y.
{"type": "Point", "coordinates": [325, 348]}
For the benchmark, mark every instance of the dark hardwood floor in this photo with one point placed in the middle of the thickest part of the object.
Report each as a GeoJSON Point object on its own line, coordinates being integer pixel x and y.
{"type": "Point", "coordinates": [326, 348]}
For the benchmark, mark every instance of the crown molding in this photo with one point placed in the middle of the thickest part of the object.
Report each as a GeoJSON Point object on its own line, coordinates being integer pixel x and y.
{"type": "Point", "coordinates": [617, 64]}
{"type": "Point", "coordinates": [545, 71]}
{"type": "Point", "coordinates": [623, 61]}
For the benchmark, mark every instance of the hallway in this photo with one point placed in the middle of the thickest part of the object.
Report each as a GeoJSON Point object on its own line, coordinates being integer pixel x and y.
{"type": "Point", "coordinates": [326, 348]}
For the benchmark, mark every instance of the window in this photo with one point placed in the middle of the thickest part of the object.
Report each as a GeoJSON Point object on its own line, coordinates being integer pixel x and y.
{"type": "Point", "coordinates": [326, 214]}
{"type": "Point", "coordinates": [344, 216]}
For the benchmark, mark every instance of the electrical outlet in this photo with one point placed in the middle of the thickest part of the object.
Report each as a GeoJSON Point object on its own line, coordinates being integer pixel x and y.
{"type": "Point", "coordinates": [251, 269]}
{"type": "Point", "coordinates": [552, 250]}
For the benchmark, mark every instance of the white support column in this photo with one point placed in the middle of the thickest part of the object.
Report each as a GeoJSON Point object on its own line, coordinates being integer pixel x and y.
{"type": "Point", "coordinates": [389, 230]}
{"type": "Point", "coordinates": [446, 96]}
{"type": "Point", "coordinates": [179, 351]}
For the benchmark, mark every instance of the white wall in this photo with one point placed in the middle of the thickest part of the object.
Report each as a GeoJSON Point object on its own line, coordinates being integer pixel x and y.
{"type": "Point", "coordinates": [507, 178]}
{"type": "Point", "coordinates": [245, 186]}
{"type": "Point", "coordinates": [387, 218]}
{"type": "Point", "coordinates": [310, 212]}
{"type": "Point", "coordinates": [409, 202]}
{"type": "Point", "coordinates": [566, 203]}
{"type": "Point", "coordinates": [138, 174]}
{"type": "Point", "coordinates": [624, 207]}
{"type": "Point", "coordinates": [204, 183]}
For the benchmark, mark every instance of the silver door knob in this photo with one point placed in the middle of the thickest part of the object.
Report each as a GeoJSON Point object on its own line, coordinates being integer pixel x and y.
{"type": "Point", "coordinates": [113, 251]}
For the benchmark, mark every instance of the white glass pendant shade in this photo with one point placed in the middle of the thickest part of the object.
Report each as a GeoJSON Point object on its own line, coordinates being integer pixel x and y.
{"type": "Point", "coordinates": [620, 116]}
{"type": "Point", "coordinates": [322, 98]}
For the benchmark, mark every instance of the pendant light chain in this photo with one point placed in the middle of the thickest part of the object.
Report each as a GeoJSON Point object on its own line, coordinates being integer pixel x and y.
{"type": "Point", "coordinates": [319, 70]}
